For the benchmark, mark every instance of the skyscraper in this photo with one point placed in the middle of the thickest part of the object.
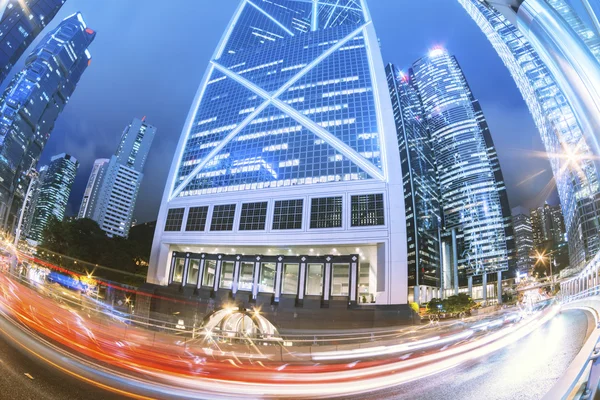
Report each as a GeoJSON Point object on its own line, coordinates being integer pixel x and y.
{"type": "Point", "coordinates": [20, 23]}
{"type": "Point", "coordinates": [33, 101]}
{"type": "Point", "coordinates": [55, 187]}
{"type": "Point", "coordinates": [288, 156]}
{"type": "Point", "coordinates": [472, 191]}
{"type": "Point", "coordinates": [91, 190]}
{"type": "Point", "coordinates": [570, 151]}
{"type": "Point", "coordinates": [523, 239]}
{"type": "Point", "coordinates": [421, 193]}
{"type": "Point", "coordinates": [547, 226]}
{"type": "Point", "coordinates": [113, 186]}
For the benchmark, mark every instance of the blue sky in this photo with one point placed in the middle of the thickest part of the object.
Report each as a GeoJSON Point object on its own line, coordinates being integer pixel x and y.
{"type": "Point", "coordinates": [149, 57]}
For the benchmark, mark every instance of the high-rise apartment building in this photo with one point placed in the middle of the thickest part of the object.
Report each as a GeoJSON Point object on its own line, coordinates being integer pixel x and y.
{"type": "Point", "coordinates": [33, 101]}
{"type": "Point", "coordinates": [476, 215]}
{"type": "Point", "coordinates": [523, 239]}
{"type": "Point", "coordinates": [550, 91]}
{"type": "Point", "coordinates": [287, 180]}
{"type": "Point", "coordinates": [91, 190]}
{"type": "Point", "coordinates": [54, 190]}
{"type": "Point", "coordinates": [113, 186]}
{"type": "Point", "coordinates": [421, 192]}
{"type": "Point", "coordinates": [20, 23]}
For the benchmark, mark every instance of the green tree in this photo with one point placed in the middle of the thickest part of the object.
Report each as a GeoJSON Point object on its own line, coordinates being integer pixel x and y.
{"type": "Point", "coordinates": [435, 306]}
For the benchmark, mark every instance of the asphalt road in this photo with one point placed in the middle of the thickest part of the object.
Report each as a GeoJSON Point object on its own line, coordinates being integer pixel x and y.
{"type": "Point", "coordinates": [24, 376]}
{"type": "Point", "coordinates": [525, 370]}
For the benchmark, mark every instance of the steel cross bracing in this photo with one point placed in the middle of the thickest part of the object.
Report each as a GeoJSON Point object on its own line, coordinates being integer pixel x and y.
{"type": "Point", "coordinates": [272, 99]}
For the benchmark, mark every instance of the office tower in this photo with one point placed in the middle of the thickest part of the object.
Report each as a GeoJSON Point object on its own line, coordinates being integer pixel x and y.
{"type": "Point", "coordinates": [31, 104]}
{"type": "Point", "coordinates": [472, 192]}
{"type": "Point", "coordinates": [421, 194]}
{"type": "Point", "coordinates": [569, 150]}
{"type": "Point", "coordinates": [91, 190]}
{"type": "Point", "coordinates": [54, 191]}
{"type": "Point", "coordinates": [20, 23]}
{"type": "Point", "coordinates": [523, 239]}
{"type": "Point", "coordinates": [114, 188]}
{"type": "Point", "coordinates": [548, 226]}
{"type": "Point", "coordinates": [290, 155]}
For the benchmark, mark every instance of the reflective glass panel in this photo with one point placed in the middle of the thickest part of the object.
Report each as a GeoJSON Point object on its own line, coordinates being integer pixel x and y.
{"type": "Point", "coordinates": [267, 277]}
{"type": "Point", "coordinates": [314, 280]}
{"type": "Point", "coordinates": [290, 279]}
{"type": "Point", "coordinates": [226, 274]}
{"type": "Point", "coordinates": [246, 276]}
{"type": "Point", "coordinates": [209, 273]}
{"type": "Point", "coordinates": [178, 270]}
{"type": "Point", "coordinates": [193, 270]}
{"type": "Point", "coordinates": [341, 280]}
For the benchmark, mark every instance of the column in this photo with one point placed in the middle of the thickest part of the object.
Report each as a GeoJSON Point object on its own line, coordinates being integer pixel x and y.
{"type": "Point", "coordinates": [217, 273]}
{"type": "Point", "coordinates": [302, 280]}
{"type": "Point", "coordinates": [484, 286]}
{"type": "Point", "coordinates": [172, 271]}
{"type": "Point", "coordinates": [186, 266]}
{"type": "Point", "coordinates": [200, 272]}
{"type": "Point", "coordinates": [236, 275]}
{"type": "Point", "coordinates": [470, 283]}
{"type": "Point", "coordinates": [455, 260]}
{"type": "Point", "coordinates": [256, 278]}
{"type": "Point", "coordinates": [327, 279]}
{"type": "Point", "coordinates": [499, 287]}
{"type": "Point", "coordinates": [278, 278]}
{"type": "Point", "coordinates": [354, 279]}
{"type": "Point", "coordinates": [417, 294]}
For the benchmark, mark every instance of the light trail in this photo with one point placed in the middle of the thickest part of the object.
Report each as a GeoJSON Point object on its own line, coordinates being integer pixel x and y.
{"type": "Point", "coordinates": [143, 363]}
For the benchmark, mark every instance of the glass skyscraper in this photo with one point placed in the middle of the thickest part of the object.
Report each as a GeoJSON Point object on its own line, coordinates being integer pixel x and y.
{"type": "Point", "coordinates": [56, 181]}
{"type": "Point", "coordinates": [472, 192]}
{"type": "Point", "coordinates": [113, 186]}
{"type": "Point", "coordinates": [20, 23]}
{"type": "Point", "coordinates": [421, 192]}
{"type": "Point", "coordinates": [570, 153]}
{"type": "Point", "coordinates": [523, 239]}
{"type": "Point", "coordinates": [289, 156]}
{"type": "Point", "coordinates": [33, 101]}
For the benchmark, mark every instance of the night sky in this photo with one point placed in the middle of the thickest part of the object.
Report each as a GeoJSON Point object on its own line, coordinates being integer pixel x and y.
{"type": "Point", "coordinates": [149, 56]}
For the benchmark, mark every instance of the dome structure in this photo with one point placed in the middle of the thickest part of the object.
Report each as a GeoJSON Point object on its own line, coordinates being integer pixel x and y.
{"type": "Point", "coordinates": [234, 322]}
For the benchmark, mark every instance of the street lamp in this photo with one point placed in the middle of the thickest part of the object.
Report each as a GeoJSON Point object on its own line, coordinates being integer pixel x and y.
{"type": "Point", "coordinates": [541, 258]}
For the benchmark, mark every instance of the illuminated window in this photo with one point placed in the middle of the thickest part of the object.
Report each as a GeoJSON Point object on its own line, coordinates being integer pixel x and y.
{"type": "Point", "coordinates": [196, 219]}
{"type": "Point", "coordinates": [314, 280]}
{"type": "Point", "coordinates": [209, 273]}
{"type": "Point", "coordinates": [222, 218]}
{"type": "Point", "coordinates": [326, 212]}
{"type": "Point", "coordinates": [193, 270]}
{"type": "Point", "coordinates": [178, 270]}
{"type": "Point", "coordinates": [174, 219]}
{"type": "Point", "coordinates": [246, 276]}
{"type": "Point", "coordinates": [254, 216]}
{"type": "Point", "coordinates": [267, 278]}
{"type": "Point", "coordinates": [288, 214]}
{"type": "Point", "coordinates": [226, 274]}
{"type": "Point", "coordinates": [367, 210]}
{"type": "Point", "coordinates": [290, 279]}
{"type": "Point", "coordinates": [341, 280]}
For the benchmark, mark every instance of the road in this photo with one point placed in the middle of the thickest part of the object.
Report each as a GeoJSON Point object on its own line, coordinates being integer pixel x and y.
{"type": "Point", "coordinates": [525, 370]}
{"type": "Point", "coordinates": [24, 376]}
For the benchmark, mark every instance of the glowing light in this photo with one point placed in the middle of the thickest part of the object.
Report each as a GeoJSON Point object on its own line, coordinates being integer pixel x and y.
{"type": "Point", "coordinates": [437, 51]}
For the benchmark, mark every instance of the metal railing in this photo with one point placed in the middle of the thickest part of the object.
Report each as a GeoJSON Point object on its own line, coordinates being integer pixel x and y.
{"type": "Point", "coordinates": [582, 379]}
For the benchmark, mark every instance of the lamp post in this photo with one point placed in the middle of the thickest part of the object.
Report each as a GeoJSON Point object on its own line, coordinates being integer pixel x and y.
{"type": "Point", "coordinates": [541, 258]}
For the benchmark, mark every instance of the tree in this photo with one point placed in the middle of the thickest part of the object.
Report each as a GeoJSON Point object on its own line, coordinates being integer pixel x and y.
{"type": "Point", "coordinates": [435, 305]}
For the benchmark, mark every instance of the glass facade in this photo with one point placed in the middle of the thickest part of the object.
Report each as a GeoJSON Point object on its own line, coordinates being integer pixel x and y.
{"type": "Point", "coordinates": [291, 122]}
{"type": "Point", "coordinates": [421, 193]}
{"type": "Point", "coordinates": [523, 240]}
{"type": "Point", "coordinates": [33, 101]}
{"type": "Point", "coordinates": [55, 187]}
{"type": "Point", "coordinates": [575, 174]}
{"type": "Point", "coordinates": [20, 23]}
{"type": "Point", "coordinates": [472, 192]}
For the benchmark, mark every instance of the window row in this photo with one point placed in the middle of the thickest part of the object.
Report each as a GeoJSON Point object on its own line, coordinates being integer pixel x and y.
{"type": "Point", "coordinates": [290, 284]}
{"type": "Point", "coordinates": [326, 212]}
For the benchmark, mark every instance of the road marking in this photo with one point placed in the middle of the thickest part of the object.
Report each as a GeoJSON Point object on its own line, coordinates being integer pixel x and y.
{"type": "Point", "coordinates": [29, 376]}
